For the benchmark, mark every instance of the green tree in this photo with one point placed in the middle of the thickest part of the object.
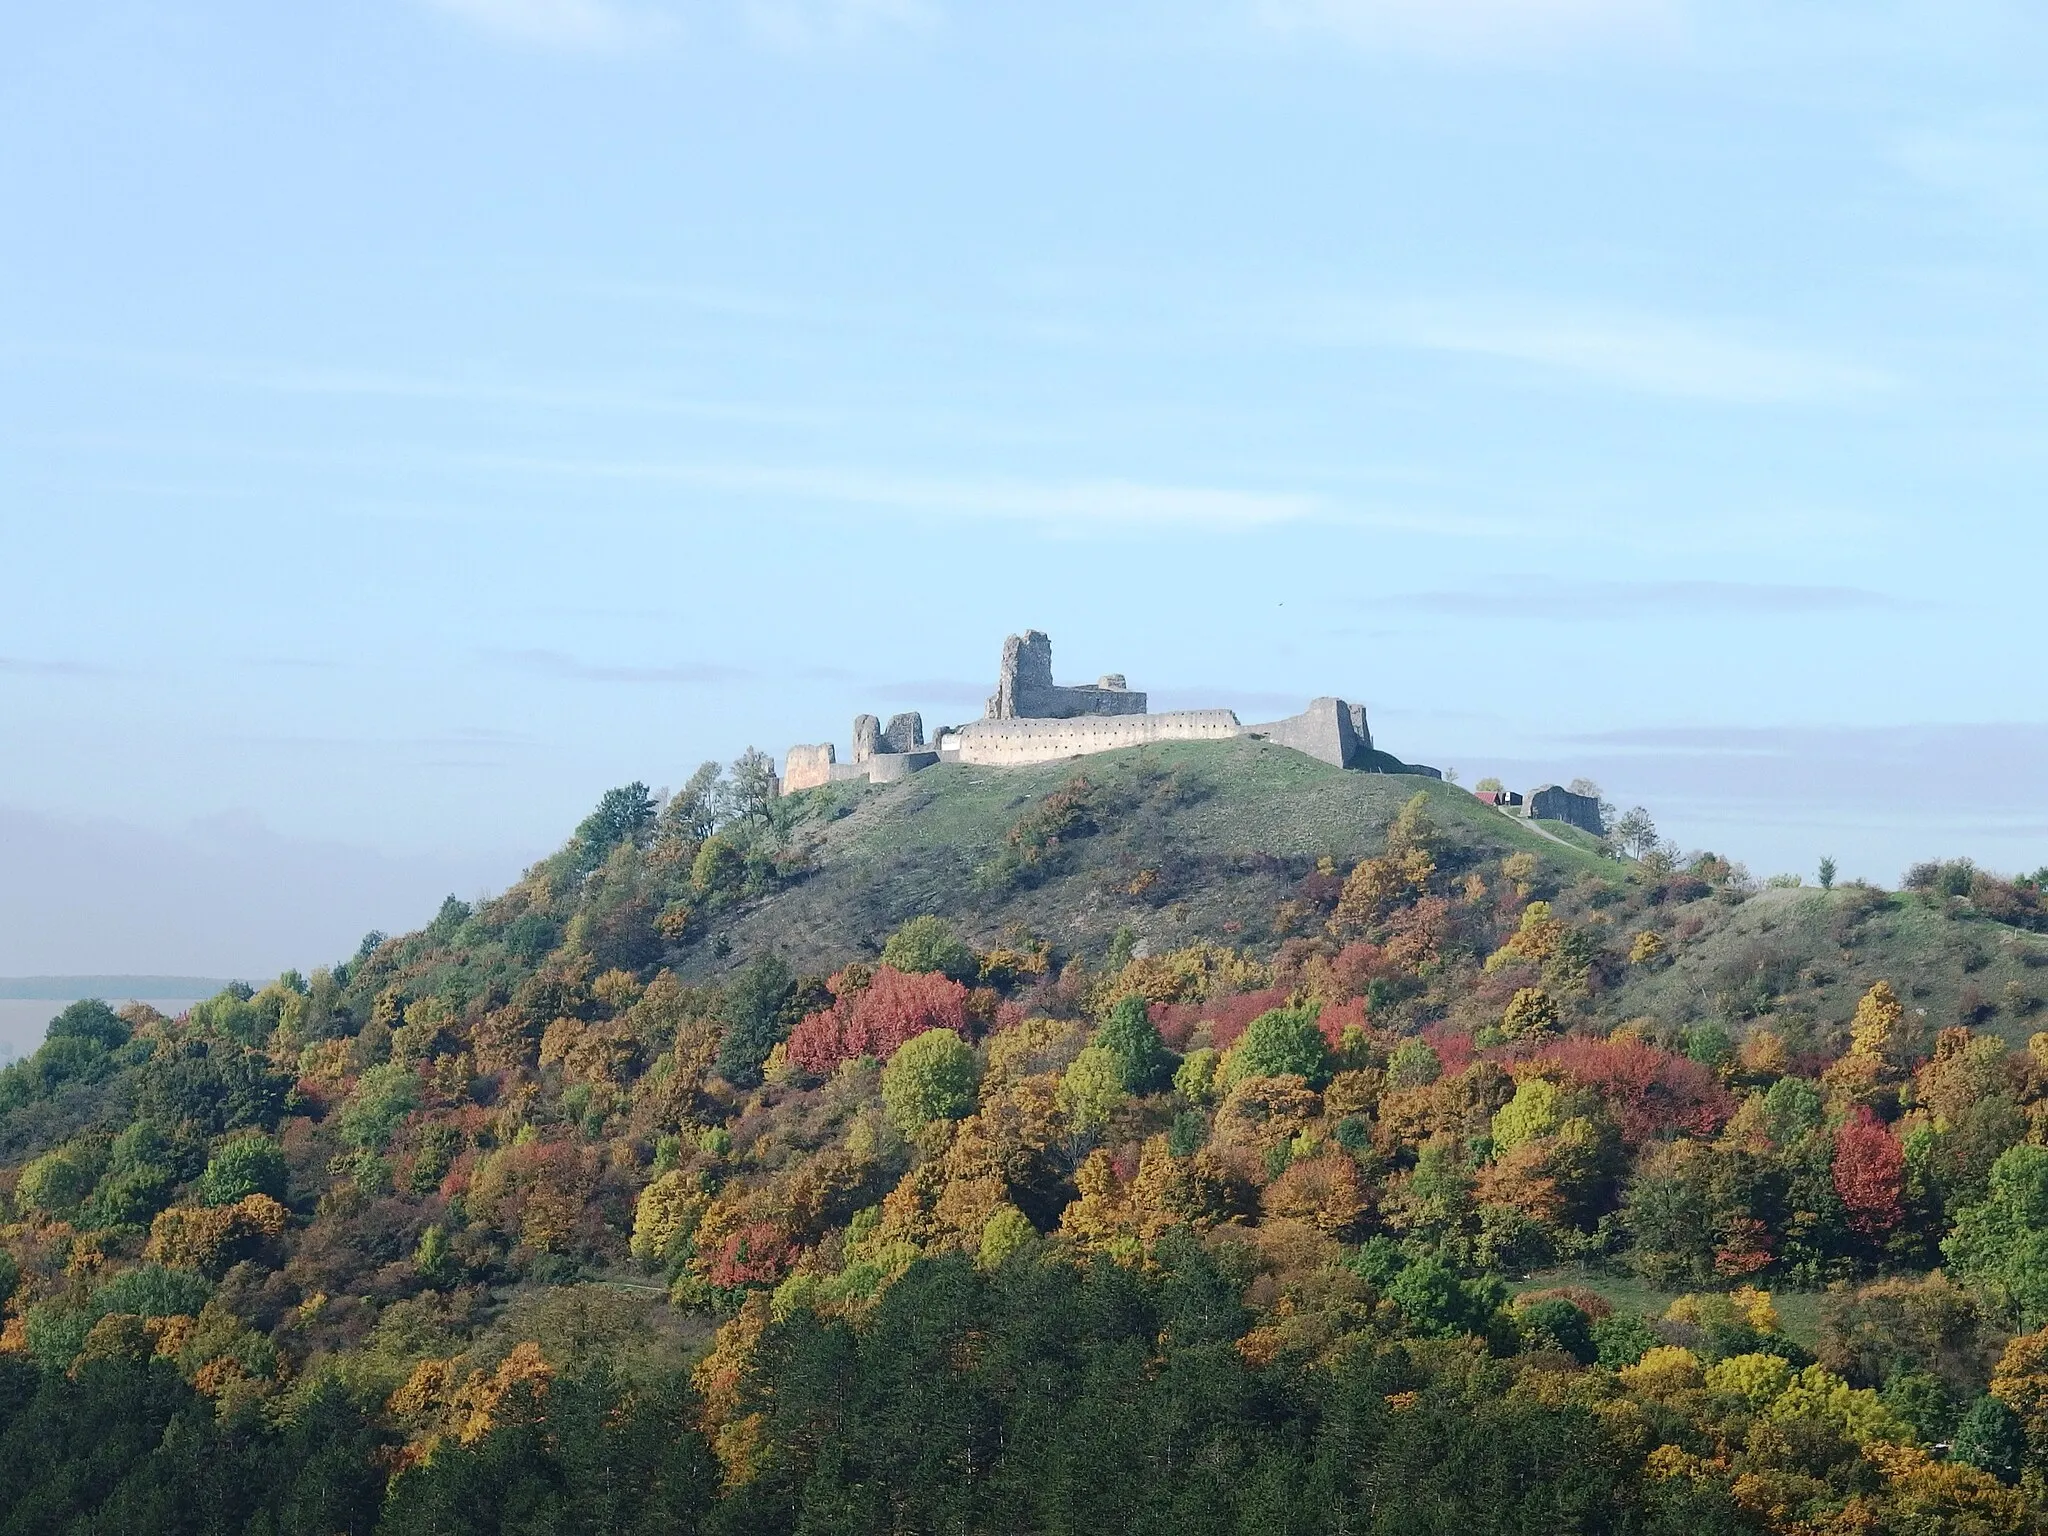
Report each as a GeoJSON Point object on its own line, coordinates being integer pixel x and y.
{"type": "Point", "coordinates": [1535, 1110]}
{"type": "Point", "coordinates": [1635, 834]}
{"type": "Point", "coordinates": [1991, 1438]}
{"type": "Point", "coordinates": [749, 789]}
{"type": "Point", "coordinates": [1003, 1234]}
{"type": "Point", "coordinates": [2001, 1245]}
{"type": "Point", "coordinates": [1091, 1089]}
{"type": "Point", "coordinates": [719, 867]}
{"type": "Point", "coordinates": [56, 1183]}
{"type": "Point", "coordinates": [249, 1164]}
{"type": "Point", "coordinates": [691, 814]}
{"type": "Point", "coordinates": [623, 815]}
{"type": "Point", "coordinates": [1413, 1064]}
{"type": "Point", "coordinates": [1708, 1044]}
{"type": "Point", "coordinates": [931, 1077]}
{"type": "Point", "coordinates": [1414, 830]}
{"type": "Point", "coordinates": [1921, 1399]}
{"type": "Point", "coordinates": [1129, 1034]}
{"type": "Point", "coordinates": [151, 1290]}
{"type": "Point", "coordinates": [752, 1011]}
{"type": "Point", "coordinates": [89, 1019]}
{"type": "Point", "coordinates": [1827, 873]}
{"type": "Point", "coordinates": [1439, 1305]}
{"type": "Point", "coordinates": [930, 944]}
{"type": "Point", "coordinates": [1792, 1107]}
{"type": "Point", "coordinates": [1555, 1323]}
{"type": "Point", "coordinates": [1283, 1041]}
{"type": "Point", "coordinates": [1530, 1012]}
{"type": "Point", "coordinates": [1195, 1078]}
{"type": "Point", "coordinates": [385, 1094]}
{"type": "Point", "coordinates": [433, 1260]}
{"type": "Point", "coordinates": [1622, 1338]}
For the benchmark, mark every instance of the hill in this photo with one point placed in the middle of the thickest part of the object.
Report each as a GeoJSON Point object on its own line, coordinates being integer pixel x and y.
{"type": "Point", "coordinates": [1305, 1148]}
{"type": "Point", "coordinates": [1193, 840]}
{"type": "Point", "coordinates": [1212, 841]}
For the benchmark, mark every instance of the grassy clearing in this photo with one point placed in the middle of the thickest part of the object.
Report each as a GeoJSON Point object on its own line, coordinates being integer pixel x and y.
{"type": "Point", "coordinates": [1798, 1311]}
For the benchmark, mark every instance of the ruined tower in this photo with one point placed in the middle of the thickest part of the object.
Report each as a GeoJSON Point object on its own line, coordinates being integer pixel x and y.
{"type": "Point", "coordinates": [1025, 689]}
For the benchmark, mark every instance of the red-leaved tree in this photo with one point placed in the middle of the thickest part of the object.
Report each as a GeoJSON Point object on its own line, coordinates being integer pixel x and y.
{"type": "Point", "coordinates": [1870, 1173]}
{"type": "Point", "coordinates": [894, 1007]}
{"type": "Point", "coordinates": [1227, 1016]}
{"type": "Point", "coordinates": [758, 1254]}
{"type": "Point", "coordinates": [1651, 1092]}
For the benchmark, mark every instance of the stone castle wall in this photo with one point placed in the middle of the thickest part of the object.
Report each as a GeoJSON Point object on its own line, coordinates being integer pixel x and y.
{"type": "Point", "coordinates": [1032, 719]}
{"type": "Point", "coordinates": [1329, 729]}
{"type": "Point", "coordinates": [808, 767]}
{"type": "Point", "coordinates": [1015, 742]}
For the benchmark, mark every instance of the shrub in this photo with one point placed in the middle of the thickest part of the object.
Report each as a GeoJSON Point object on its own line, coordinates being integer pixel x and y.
{"type": "Point", "coordinates": [929, 944]}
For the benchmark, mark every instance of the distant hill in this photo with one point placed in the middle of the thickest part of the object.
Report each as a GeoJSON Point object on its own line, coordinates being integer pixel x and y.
{"type": "Point", "coordinates": [63, 989]}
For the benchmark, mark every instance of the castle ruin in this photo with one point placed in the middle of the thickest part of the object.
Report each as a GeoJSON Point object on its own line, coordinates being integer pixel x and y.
{"type": "Point", "coordinates": [1032, 719]}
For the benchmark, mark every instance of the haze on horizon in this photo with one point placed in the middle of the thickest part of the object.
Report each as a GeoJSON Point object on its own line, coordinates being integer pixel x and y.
{"type": "Point", "coordinates": [420, 416]}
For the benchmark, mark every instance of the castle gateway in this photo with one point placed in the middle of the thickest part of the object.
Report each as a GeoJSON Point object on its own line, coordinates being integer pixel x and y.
{"type": "Point", "coordinates": [1032, 719]}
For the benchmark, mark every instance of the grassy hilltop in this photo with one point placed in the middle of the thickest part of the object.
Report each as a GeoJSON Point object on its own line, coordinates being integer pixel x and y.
{"type": "Point", "coordinates": [1210, 840]}
{"type": "Point", "coordinates": [1213, 835]}
{"type": "Point", "coordinates": [1195, 1138]}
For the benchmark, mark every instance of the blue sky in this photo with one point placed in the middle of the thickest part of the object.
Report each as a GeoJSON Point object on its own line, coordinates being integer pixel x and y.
{"type": "Point", "coordinates": [418, 415]}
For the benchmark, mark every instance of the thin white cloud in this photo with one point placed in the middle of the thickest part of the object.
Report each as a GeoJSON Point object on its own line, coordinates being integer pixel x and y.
{"type": "Point", "coordinates": [2000, 164]}
{"type": "Point", "coordinates": [1075, 504]}
{"type": "Point", "coordinates": [815, 23]}
{"type": "Point", "coordinates": [465, 386]}
{"type": "Point", "coordinates": [29, 666]}
{"type": "Point", "coordinates": [589, 26]}
{"type": "Point", "coordinates": [575, 669]}
{"type": "Point", "coordinates": [1649, 354]}
{"type": "Point", "coordinates": [1621, 349]}
{"type": "Point", "coordinates": [611, 26]}
{"type": "Point", "coordinates": [1632, 601]}
{"type": "Point", "coordinates": [1499, 29]}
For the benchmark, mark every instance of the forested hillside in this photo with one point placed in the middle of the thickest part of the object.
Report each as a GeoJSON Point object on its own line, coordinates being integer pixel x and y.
{"type": "Point", "coordinates": [1197, 1139]}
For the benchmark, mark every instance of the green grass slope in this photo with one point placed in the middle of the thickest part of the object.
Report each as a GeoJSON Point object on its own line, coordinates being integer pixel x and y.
{"type": "Point", "coordinates": [1808, 954]}
{"type": "Point", "coordinates": [1190, 840]}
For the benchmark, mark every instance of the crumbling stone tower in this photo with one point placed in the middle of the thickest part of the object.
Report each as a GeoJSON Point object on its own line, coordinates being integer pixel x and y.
{"type": "Point", "coordinates": [1025, 689]}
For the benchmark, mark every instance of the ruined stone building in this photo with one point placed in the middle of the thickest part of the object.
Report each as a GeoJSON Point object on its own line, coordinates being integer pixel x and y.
{"type": "Point", "coordinates": [1032, 719]}
{"type": "Point", "coordinates": [1550, 802]}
